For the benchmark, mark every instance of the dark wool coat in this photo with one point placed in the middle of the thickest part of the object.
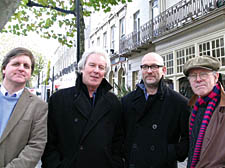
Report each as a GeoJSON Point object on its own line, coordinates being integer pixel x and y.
{"type": "Point", "coordinates": [80, 135]}
{"type": "Point", "coordinates": [156, 130]}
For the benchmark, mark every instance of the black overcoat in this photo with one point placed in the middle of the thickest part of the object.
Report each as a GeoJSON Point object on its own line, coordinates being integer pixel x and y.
{"type": "Point", "coordinates": [80, 135]}
{"type": "Point", "coordinates": [156, 129]}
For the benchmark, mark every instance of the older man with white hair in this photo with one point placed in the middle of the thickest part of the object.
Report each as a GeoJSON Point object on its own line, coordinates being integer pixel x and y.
{"type": "Point", "coordinates": [84, 121]}
{"type": "Point", "coordinates": [207, 120]}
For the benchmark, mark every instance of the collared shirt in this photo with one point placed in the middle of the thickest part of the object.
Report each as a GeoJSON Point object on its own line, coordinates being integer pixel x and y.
{"type": "Point", "coordinates": [142, 86]}
{"type": "Point", "coordinates": [6, 93]}
{"type": "Point", "coordinates": [93, 96]}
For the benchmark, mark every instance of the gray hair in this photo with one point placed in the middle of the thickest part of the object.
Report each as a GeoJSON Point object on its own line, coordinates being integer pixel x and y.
{"type": "Point", "coordinates": [90, 51]}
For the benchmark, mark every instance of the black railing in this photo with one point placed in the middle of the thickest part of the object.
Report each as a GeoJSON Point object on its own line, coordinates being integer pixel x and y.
{"type": "Point", "coordinates": [137, 38]}
{"type": "Point", "coordinates": [176, 16]}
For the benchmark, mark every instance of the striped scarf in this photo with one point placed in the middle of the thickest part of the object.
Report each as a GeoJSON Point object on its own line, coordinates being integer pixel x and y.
{"type": "Point", "coordinates": [212, 100]}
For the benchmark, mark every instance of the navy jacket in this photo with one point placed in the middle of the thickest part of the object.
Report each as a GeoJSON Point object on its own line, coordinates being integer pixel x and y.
{"type": "Point", "coordinates": [156, 130]}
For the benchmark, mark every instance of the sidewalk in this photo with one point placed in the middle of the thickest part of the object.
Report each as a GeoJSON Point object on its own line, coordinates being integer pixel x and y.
{"type": "Point", "coordinates": [182, 164]}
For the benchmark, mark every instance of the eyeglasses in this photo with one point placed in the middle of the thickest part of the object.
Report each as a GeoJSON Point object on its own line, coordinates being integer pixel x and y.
{"type": "Point", "coordinates": [152, 67]}
{"type": "Point", "coordinates": [202, 76]}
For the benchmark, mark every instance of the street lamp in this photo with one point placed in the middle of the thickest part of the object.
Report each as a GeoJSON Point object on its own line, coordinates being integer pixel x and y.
{"type": "Point", "coordinates": [53, 79]}
{"type": "Point", "coordinates": [78, 28]}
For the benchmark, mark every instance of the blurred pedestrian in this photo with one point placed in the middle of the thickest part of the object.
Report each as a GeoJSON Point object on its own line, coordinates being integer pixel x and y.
{"type": "Point", "coordinates": [207, 121]}
{"type": "Point", "coordinates": [84, 121]}
{"type": "Point", "coordinates": [23, 116]}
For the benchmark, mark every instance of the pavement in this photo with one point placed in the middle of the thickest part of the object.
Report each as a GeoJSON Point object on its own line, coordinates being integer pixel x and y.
{"type": "Point", "coordinates": [180, 165]}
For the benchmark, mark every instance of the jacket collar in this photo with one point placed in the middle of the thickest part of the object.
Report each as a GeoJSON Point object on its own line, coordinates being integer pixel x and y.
{"type": "Point", "coordinates": [194, 98]}
{"type": "Point", "coordinates": [160, 91]}
{"type": "Point", "coordinates": [103, 88]}
{"type": "Point", "coordinates": [81, 96]}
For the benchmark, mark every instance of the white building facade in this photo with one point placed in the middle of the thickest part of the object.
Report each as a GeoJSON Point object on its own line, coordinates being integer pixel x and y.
{"type": "Point", "coordinates": [177, 30]}
{"type": "Point", "coordinates": [63, 67]}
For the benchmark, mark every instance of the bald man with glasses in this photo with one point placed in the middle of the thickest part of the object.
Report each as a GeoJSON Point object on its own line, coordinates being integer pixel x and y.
{"type": "Point", "coordinates": [155, 120]}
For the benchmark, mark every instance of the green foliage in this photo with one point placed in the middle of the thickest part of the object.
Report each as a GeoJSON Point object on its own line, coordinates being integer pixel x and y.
{"type": "Point", "coordinates": [54, 18]}
{"type": "Point", "coordinates": [122, 90]}
{"type": "Point", "coordinates": [46, 81]}
{"type": "Point", "coordinates": [39, 64]}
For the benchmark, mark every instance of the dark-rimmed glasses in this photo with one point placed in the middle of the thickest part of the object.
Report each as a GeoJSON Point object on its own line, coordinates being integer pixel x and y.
{"type": "Point", "coordinates": [153, 67]}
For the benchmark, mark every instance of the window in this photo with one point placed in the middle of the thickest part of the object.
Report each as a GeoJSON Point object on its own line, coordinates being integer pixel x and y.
{"type": "Point", "coordinates": [134, 79]}
{"type": "Point", "coordinates": [121, 79]}
{"type": "Point", "coordinates": [136, 34]}
{"type": "Point", "coordinates": [112, 45]}
{"type": "Point", "coordinates": [155, 13]}
{"type": "Point", "coordinates": [180, 60]}
{"type": "Point", "coordinates": [105, 40]}
{"type": "Point", "coordinates": [122, 27]}
{"type": "Point", "coordinates": [168, 62]}
{"type": "Point", "coordinates": [155, 8]}
{"type": "Point", "coordinates": [213, 48]}
{"type": "Point", "coordinates": [112, 79]}
{"type": "Point", "coordinates": [183, 55]}
{"type": "Point", "coordinates": [98, 41]}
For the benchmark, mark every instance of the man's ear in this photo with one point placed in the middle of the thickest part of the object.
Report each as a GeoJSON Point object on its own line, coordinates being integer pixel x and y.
{"type": "Point", "coordinates": [217, 76]}
{"type": "Point", "coordinates": [3, 71]}
{"type": "Point", "coordinates": [164, 70]}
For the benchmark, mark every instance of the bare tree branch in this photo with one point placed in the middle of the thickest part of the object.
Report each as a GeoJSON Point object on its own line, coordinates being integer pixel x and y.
{"type": "Point", "coordinates": [34, 4]}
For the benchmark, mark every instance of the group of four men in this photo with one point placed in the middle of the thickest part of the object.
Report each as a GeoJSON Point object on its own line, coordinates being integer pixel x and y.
{"type": "Point", "coordinates": [87, 126]}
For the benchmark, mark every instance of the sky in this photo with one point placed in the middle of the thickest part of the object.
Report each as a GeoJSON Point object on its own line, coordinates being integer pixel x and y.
{"type": "Point", "coordinates": [33, 42]}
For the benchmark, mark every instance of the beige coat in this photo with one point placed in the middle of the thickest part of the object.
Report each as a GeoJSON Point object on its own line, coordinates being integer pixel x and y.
{"type": "Point", "coordinates": [24, 138]}
{"type": "Point", "coordinates": [213, 147]}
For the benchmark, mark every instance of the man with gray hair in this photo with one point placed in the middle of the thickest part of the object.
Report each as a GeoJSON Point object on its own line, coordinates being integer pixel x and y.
{"type": "Point", "coordinates": [155, 119]}
{"type": "Point", "coordinates": [84, 121]}
{"type": "Point", "coordinates": [207, 120]}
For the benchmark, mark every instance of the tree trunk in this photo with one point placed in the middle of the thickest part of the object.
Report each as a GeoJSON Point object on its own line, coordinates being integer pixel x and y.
{"type": "Point", "coordinates": [7, 9]}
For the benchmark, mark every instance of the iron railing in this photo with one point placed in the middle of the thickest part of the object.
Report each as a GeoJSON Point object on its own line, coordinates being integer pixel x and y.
{"type": "Point", "coordinates": [182, 13]}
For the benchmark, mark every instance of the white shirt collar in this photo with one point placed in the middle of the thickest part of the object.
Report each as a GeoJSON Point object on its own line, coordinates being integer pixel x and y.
{"type": "Point", "coordinates": [5, 92]}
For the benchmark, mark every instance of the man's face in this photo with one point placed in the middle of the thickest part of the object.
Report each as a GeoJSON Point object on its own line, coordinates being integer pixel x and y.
{"type": "Point", "coordinates": [17, 71]}
{"type": "Point", "coordinates": [94, 70]}
{"type": "Point", "coordinates": [152, 76]}
{"type": "Point", "coordinates": [202, 81]}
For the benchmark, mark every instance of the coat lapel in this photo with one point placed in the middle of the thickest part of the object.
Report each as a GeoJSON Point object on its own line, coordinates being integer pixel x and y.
{"type": "Point", "coordinates": [139, 103]}
{"type": "Point", "coordinates": [100, 110]}
{"type": "Point", "coordinates": [17, 113]}
{"type": "Point", "coordinates": [82, 104]}
{"type": "Point", "coordinates": [210, 132]}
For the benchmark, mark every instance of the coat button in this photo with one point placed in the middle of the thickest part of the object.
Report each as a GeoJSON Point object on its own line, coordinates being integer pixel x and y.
{"type": "Point", "coordinates": [76, 120]}
{"type": "Point", "coordinates": [81, 147]}
{"type": "Point", "coordinates": [134, 146]}
{"type": "Point", "coordinates": [152, 148]}
{"type": "Point", "coordinates": [154, 126]}
{"type": "Point", "coordinates": [75, 95]}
